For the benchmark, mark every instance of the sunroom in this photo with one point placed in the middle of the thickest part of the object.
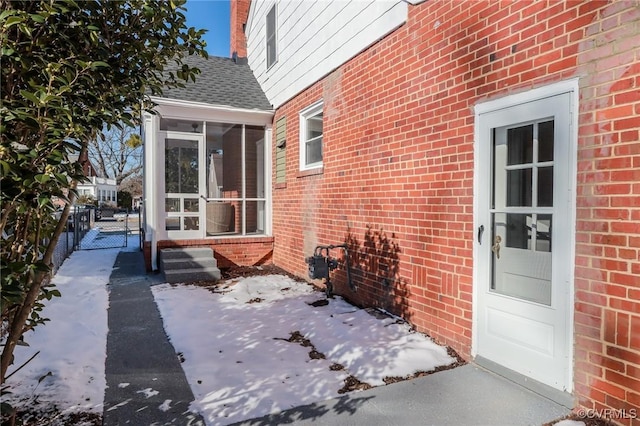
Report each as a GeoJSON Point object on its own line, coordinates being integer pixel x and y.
{"type": "Point", "coordinates": [207, 164]}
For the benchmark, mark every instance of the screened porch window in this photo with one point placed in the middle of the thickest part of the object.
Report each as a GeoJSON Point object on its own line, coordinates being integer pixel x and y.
{"type": "Point", "coordinates": [235, 179]}
{"type": "Point", "coordinates": [215, 177]}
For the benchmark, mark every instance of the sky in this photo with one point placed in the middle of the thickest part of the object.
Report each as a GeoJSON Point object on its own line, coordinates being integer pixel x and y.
{"type": "Point", "coordinates": [212, 15]}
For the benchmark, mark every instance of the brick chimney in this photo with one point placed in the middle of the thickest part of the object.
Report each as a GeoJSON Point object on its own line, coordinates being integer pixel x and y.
{"type": "Point", "coordinates": [239, 17]}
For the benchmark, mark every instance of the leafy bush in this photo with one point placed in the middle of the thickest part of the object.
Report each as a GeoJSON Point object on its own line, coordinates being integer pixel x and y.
{"type": "Point", "coordinates": [69, 70]}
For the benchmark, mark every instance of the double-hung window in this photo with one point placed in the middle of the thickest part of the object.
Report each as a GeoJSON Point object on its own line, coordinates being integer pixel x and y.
{"type": "Point", "coordinates": [271, 37]}
{"type": "Point", "coordinates": [311, 137]}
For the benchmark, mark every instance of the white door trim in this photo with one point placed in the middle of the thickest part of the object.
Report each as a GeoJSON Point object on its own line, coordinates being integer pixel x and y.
{"type": "Point", "coordinates": [162, 232]}
{"type": "Point", "coordinates": [571, 87]}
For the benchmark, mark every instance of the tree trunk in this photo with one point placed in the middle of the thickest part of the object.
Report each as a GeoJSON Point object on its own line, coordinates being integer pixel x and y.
{"type": "Point", "coordinates": [19, 321]}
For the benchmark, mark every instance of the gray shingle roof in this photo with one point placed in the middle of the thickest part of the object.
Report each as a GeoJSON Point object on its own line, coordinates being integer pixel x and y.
{"type": "Point", "coordinates": [222, 81]}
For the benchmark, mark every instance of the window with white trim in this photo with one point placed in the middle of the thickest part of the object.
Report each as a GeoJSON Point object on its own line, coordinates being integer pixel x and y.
{"type": "Point", "coordinates": [271, 37]}
{"type": "Point", "coordinates": [311, 136]}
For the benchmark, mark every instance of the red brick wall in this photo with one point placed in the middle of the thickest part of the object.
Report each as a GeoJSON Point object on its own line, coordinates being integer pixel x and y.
{"type": "Point", "coordinates": [397, 181]}
{"type": "Point", "coordinates": [232, 166]}
{"type": "Point", "coordinates": [246, 251]}
{"type": "Point", "coordinates": [232, 175]}
{"type": "Point", "coordinates": [87, 166]}
{"type": "Point", "coordinates": [607, 284]}
{"type": "Point", "coordinates": [239, 13]}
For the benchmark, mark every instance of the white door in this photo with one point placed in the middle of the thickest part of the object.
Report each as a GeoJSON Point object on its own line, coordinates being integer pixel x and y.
{"type": "Point", "coordinates": [184, 183]}
{"type": "Point", "coordinates": [524, 239]}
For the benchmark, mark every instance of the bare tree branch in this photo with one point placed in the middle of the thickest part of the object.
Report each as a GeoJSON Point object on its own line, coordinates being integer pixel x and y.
{"type": "Point", "coordinates": [118, 154]}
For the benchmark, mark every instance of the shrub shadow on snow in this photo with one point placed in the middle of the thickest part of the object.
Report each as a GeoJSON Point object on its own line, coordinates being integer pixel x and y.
{"type": "Point", "coordinates": [236, 368]}
{"type": "Point", "coordinates": [316, 411]}
{"type": "Point", "coordinates": [242, 360]}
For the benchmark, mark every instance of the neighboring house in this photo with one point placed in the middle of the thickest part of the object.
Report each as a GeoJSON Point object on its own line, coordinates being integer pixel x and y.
{"type": "Point", "coordinates": [480, 159]}
{"type": "Point", "coordinates": [102, 190]}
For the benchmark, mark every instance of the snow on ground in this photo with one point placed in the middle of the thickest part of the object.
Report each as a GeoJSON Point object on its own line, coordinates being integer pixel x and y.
{"type": "Point", "coordinates": [73, 343]}
{"type": "Point", "coordinates": [237, 358]}
{"type": "Point", "coordinates": [240, 365]}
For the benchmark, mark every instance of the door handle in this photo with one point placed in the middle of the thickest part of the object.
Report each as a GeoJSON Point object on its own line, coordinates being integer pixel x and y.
{"type": "Point", "coordinates": [480, 232]}
{"type": "Point", "coordinates": [496, 247]}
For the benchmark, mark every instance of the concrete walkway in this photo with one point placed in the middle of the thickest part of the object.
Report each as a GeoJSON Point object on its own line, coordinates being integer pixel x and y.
{"type": "Point", "coordinates": [143, 374]}
{"type": "Point", "coordinates": [464, 396]}
{"type": "Point", "coordinates": [145, 383]}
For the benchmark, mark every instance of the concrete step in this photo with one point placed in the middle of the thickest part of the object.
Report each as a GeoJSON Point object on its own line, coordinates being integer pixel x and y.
{"type": "Point", "coordinates": [168, 264]}
{"type": "Point", "coordinates": [189, 264]}
{"type": "Point", "coordinates": [191, 275]}
{"type": "Point", "coordinates": [186, 253]}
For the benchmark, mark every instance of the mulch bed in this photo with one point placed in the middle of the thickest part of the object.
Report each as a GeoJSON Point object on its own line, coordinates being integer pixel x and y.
{"type": "Point", "coordinates": [50, 416]}
{"type": "Point", "coordinates": [251, 271]}
{"type": "Point", "coordinates": [351, 383]}
{"type": "Point", "coordinates": [228, 275]}
{"type": "Point", "coordinates": [459, 361]}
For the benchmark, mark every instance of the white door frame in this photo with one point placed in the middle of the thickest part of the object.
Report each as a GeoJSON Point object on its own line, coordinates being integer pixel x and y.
{"type": "Point", "coordinates": [162, 137]}
{"type": "Point", "coordinates": [571, 87]}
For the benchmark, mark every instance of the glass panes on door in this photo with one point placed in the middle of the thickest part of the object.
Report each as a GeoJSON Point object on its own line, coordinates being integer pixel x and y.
{"type": "Point", "coordinates": [522, 211]}
{"type": "Point", "coordinates": [181, 166]}
{"type": "Point", "coordinates": [181, 185]}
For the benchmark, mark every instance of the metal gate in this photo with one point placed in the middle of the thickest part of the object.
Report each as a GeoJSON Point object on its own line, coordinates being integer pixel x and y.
{"type": "Point", "coordinates": [107, 232]}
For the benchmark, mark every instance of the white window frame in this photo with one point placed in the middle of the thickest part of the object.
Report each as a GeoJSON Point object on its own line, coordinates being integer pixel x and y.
{"type": "Point", "coordinates": [271, 38]}
{"type": "Point", "coordinates": [307, 113]}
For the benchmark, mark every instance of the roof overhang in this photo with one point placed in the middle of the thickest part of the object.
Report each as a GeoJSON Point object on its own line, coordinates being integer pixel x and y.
{"type": "Point", "coordinates": [188, 110]}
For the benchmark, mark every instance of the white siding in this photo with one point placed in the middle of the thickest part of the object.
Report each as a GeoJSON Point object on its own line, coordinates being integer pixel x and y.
{"type": "Point", "coordinates": [313, 38]}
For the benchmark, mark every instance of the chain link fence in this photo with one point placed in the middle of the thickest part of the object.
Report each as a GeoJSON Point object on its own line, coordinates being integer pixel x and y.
{"type": "Point", "coordinates": [110, 232]}
{"type": "Point", "coordinates": [62, 250]}
{"type": "Point", "coordinates": [87, 230]}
